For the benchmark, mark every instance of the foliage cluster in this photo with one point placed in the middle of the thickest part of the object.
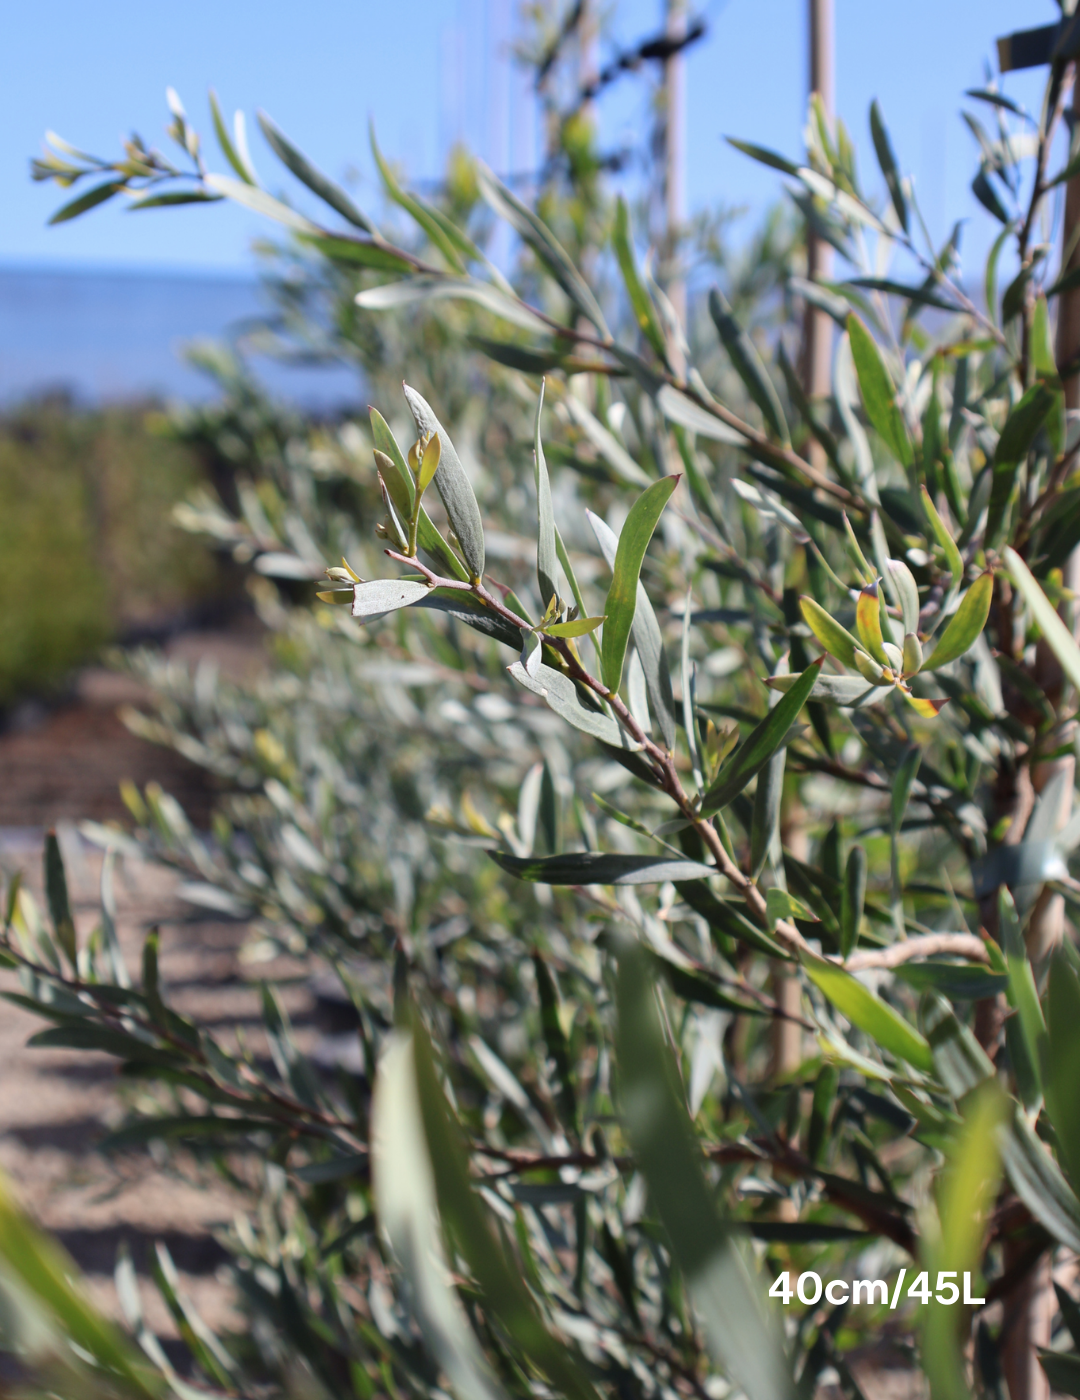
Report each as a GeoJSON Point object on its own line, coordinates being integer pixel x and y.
{"type": "Point", "coordinates": [739, 690]}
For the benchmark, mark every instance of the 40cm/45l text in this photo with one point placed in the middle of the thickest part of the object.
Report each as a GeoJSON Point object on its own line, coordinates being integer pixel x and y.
{"type": "Point", "coordinates": [809, 1289]}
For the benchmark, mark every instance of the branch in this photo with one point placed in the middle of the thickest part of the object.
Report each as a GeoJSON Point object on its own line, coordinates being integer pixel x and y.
{"type": "Point", "coordinates": [924, 945]}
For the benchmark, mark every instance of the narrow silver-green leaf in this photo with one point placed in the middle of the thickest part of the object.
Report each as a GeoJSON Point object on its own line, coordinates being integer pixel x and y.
{"type": "Point", "coordinates": [906, 591]}
{"type": "Point", "coordinates": [561, 694]}
{"type": "Point", "coordinates": [846, 691]}
{"type": "Point", "coordinates": [621, 601]}
{"type": "Point", "coordinates": [1061, 1061]}
{"type": "Point", "coordinates": [836, 640]}
{"type": "Point", "coordinates": [887, 161]}
{"type": "Point", "coordinates": [310, 175]}
{"type": "Point", "coordinates": [427, 536]}
{"type": "Point", "coordinates": [747, 362]}
{"type": "Point", "coordinates": [648, 639]}
{"type": "Point", "coordinates": [417, 208]}
{"type": "Point", "coordinates": [1058, 636]}
{"type": "Point", "coordinates": [544, 244]}
{"type": "Point", "coordinates": [453, 486]}
{"type": "Point", "coordinates": [869, 1013]}
{"type": "Point", "coordinates": [622, 240]}
{"type": "Point", "coordinates": [852, 900]}
{"type": "Point", "coordinates": [966, 623]}
{"type": "Point", "coordinates": [878, 394]}
{"type": "Point", "coordinates": [760, 744]}
{"type": "Point", "coordinates": [431, 287]}
{"type": "Point", "coordinates": [225, 141]}
{"type": "Point", "coordinates": [256, 199]}
{"type": "Point", "coordinates": [765, 821]}
{"type": "Point", "coordinates": [504, 1292]}
{"type": "Point", "coordinates": [383, 595]}
{"type": "Point", "coordinates": [545, 540]}
{"type": "Point", "coordinates": [404, 1189]}
{"type": "Point", "coordinates": [678, 408]}
{"type": "Point", "coordinates": [56, 892]}
{"type": "Point", "coordinates": [600, 868]}
{"type": "Point", "coordinates": [1017, 436]}
{"type": "Point", "coordinates": [742, 1337]}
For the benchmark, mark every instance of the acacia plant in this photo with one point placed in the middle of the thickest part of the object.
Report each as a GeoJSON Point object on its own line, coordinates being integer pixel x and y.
{"type": "Point", "coordinates": [878, 650]}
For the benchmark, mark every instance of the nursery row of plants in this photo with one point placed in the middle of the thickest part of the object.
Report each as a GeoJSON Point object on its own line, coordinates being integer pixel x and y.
{"type": "Point", "coordinates": [638, 690]}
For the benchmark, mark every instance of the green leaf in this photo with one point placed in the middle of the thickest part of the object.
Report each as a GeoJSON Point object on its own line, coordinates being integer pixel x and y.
{"type": "Point", "coordinates": [621, 602]}
{"type": "Point", "coordinates": [225, 141]}
{"type": "Point", "coordinates": [309, 175]}
{"type": "Point", "coordinates": [765, 821]}
{"type": "Point", "coordinates": [853, 691]}
{"type": "Point", "coordinates": [825, 1087]}
{"type": "Point", "coordinates": [640, 301]}
{"type": "Point", "coordinates": [869, 1013]}
{"type": "Point", "coordinates": [172, 198]}
{"type": "Point", "coordinates": [878, 394]}
{"type": "Point", "coordinates": [900, 582]}
{"type": "Point", "coordinates": [404, 1189]}
{"type": "Point", "coordinates": [966, 623]}
{"type": "Point", "coordinates": [600, 868]}
{"type": "Point", "coordinates": [383, 595]}
{"type": "Point", "coordinates": [52, 1277]}
{"type": "Point", "coordinates": [416, 208]}
{"type": "Point", "coordinates": [961, 1065]}
{"type": "Point", "coordinates": [56, 893]}
{"type": "Point", "coordinates": [1058, 636]}
{"type": "Point", "coordinates": [1061, 1061]}
{"type": "Point", "coordinates": [678, 408]}
{"type": "Point", "coordinates": [647, 636]}
{"type": "Point", "coordinates": [887, 161]}
{"type": "Point", "coordinates": [747, 363]}
{"type": "Point", "coordinates": [427, 536]}
{"type": "Point", "coordinates": [944, 538]}
{"type": "Point", "coordinates": [1028, 1047]}
{"type": "Point", "coordinates": [966, 1191]}
{"type": "Point", "coordinates": [781, 905]}
{"type": "Point", "coordinates": [742, 1337]}
{"type": "Point", "coordinates": [836, 640]}
{"type": "Point", "coordinates": [528, 359]}
{"type": "Point", "coordinates": [1017, 436]}
{"type": "Point", "coordinates": [433, 287]}
{"type": "Point", "coordinates": [580, 627]}
{"type": "Point", "coordinates": [545, 545]}
{"type": "Point", "coordinates": [957, 981]}
{"type": "Point", "coordinates": [987, 196]}
{"type": "Point", "coordinates": [362, 252]}
{"type": "Point", "coordinates": [256, 199]}
{"type": "Point", "coordinates": [555, 1040]}
{"type": "Point", "coordinates": [868, 624]}
{"type": "Point", "coordinates": [90, 199]}
{"type": "Point", "coordinates": [453, 486]}
{"type": "Point", "coordinates": [760, 744]}
{"type": "Point", "coordinates": [544, 244]}
{"type": "Point", "coordinates": [922, 295]}
{"type": "Point", "coordinates": [690, 985]}
{"type": "Point", "coordinates": [764, 156]}
{"type": "Point", "coordinates": [852, 900]}
{"type": "Point", "coordinates": [1063, 1372]}
{"type": "Point", "coordinates": [505, 1294]}
{"type": "Point", "coordinates": [573, 705]}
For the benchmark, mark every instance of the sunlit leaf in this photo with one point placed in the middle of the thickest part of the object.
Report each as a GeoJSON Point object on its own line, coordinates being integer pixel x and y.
{"type": "Point", "coordinates": [869, 1013]}
{"type": "Point", "coordinates": [760, 744]}
{"type": "Point", "coordinates": [965, 625]}
{"type": "Point", "coordinates": [621, 602]}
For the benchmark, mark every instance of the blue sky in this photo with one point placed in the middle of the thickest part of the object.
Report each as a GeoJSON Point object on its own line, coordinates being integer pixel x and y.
{"type": "Point", "coordinates": [429, 71]}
